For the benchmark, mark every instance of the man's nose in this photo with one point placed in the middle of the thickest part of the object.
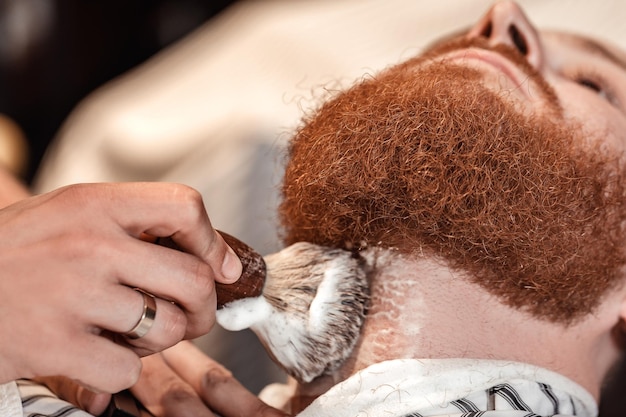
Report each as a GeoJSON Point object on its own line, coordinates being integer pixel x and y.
{"type": "Point", "coordinates": [505, 23]}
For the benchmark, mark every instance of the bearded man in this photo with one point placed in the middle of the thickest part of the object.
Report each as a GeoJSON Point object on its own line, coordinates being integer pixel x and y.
{"type": "Point", "coordinates": [486, 179]}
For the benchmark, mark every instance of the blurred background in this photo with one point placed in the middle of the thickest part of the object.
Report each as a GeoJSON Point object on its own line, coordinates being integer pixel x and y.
{"type": "Point", "coordinates": [55, 52]}
{"type": "Point", "coordinates": [205, 92]}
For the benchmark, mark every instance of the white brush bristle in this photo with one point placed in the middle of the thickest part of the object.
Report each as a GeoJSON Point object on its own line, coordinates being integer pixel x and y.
{"type": "Point", "coordinates": [311, 311]}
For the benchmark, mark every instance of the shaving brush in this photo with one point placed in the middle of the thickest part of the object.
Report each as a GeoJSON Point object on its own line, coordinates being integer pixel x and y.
{"type": "Point", "coordinates": [310, 311]}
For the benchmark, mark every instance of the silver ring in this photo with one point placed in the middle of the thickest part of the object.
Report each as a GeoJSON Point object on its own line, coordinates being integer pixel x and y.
{"type": "Point", "coordinates": [146, 320]}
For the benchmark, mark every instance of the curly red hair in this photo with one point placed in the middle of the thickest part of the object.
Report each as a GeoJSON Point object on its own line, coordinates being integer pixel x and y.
{"type": "Point", "coordinates": [424, 159]}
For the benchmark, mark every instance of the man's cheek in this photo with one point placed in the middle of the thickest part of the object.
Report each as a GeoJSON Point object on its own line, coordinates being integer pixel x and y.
{"type": "Point", "coordinates": [602, 124]}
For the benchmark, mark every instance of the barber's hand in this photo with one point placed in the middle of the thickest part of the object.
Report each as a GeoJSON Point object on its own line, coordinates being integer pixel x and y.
{"type": "Point", "coordinates": [180, 381]}
{"type": "Point", "coordinates": [183, 381]}
{"type": "Point", "coordinates": [69, 261]}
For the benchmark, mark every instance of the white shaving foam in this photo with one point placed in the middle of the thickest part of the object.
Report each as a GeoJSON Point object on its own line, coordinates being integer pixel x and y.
{"type": "Point", "coordinates": [244, 313]}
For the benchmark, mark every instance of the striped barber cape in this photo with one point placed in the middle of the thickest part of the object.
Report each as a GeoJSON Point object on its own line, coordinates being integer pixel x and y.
{"type": "Point", "coordinates": [397, 388]}
{"type": "Point", "coordinates": [450, 388]}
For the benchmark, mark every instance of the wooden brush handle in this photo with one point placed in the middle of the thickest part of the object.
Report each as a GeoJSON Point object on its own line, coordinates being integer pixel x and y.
{"type": "Point", "coordinates": [252, 279]}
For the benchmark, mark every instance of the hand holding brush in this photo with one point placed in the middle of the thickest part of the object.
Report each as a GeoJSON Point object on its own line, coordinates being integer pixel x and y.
{"type": "Point", "coordinates": [306, 304]}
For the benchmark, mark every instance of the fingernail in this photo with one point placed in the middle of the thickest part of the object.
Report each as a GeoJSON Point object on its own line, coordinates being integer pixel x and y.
{"type": "Point", "coordinates": [231, 267]}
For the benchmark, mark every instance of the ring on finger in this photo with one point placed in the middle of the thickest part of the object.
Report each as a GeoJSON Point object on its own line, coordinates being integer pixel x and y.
{"type": "Point", "coordinates": [146, 320]}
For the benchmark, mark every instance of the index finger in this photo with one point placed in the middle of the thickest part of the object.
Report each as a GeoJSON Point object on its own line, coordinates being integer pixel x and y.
{"type": "Point", "coordinates": [176, 211]}
{"type": "Point", "coordinates": [215, 384]}
{"type": "Point", "coordinates": [162, 392]}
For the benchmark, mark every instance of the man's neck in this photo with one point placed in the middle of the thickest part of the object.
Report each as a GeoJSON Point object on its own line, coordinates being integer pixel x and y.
{"type": "Point", "coordinates": [423, 310]}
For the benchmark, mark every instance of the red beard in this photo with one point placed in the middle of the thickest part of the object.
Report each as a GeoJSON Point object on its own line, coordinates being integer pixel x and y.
{"type": "Point", "coordinates": [424, 159]}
